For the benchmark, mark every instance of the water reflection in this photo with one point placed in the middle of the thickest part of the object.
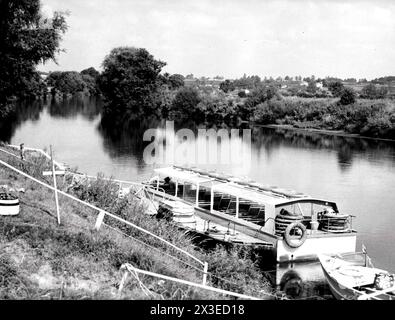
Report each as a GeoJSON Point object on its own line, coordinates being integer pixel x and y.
{"type": "Point", "coordinates": [346, 147]}
{"type": "Point", "coordinates": [88, 107]}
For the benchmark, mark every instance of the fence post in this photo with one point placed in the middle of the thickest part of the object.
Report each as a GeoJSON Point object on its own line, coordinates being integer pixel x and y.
{"type": "Point", "coordinates": [205, 273]}
{"type": "Point", "coordinates": [54, 185]}
{"type": "Point", "coordinates": [22, 151]}
{"type": "Point", "coordinates": [122, 283]}
{"type": "Point", "coordinates": [99, 219]}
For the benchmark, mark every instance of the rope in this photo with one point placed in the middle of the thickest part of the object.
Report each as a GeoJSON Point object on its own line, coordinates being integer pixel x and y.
{"type": "Point", "coordinates": [134, 273]}
{"type": "Point", "coordinates": [151, 247]}
{"type": "Point", "coordinates": [205, 287]}
{"type": "Point", "coordinates": [98, 209]}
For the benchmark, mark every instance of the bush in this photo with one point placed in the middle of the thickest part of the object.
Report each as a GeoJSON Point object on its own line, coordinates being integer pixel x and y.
{"type": "Point", "coordinates": [348, 96]}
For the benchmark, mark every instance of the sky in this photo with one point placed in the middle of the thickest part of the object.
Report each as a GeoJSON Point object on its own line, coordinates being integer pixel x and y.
{"type": "Point", "coordinates": [354, 38]}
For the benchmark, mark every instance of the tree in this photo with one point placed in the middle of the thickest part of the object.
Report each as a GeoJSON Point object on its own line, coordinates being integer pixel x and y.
{"type": "Point", "coordinates": [91, 76]}
{"type": "Point", "coordinates": [176, 81]}
{"type": "Point", "coordinates": [312, 87]}
{"type": "Point", "coordinates": [348, 96]}
{"type": "Point", "coordinates": [67, 81]}
{"type": "Point", "coordinates": [27, 38]}
{"type": "Point", "coordinates": [91, 72]}
{"type": "Point", "coordinates": [372, 91]}
{"type": "Point", "coordinates": [227, 86]}
{"type": "Point", "coordinates": [185, 102]}
{"type": "Point", "coordinates": [129, 82]}
{"type": "Point", "coordinates": [336, 88]}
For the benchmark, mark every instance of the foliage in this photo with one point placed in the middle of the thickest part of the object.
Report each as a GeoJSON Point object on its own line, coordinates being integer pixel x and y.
{"type": "Point", "coordinates": [348, 96]}
{"type": "Point", "coordinates": [312, 87]}
{"type": "Point", "coordinates": [371, 91]}
{"type": "Point", "coordinates": [92, 72]}
{"type": "Point", "coordinates": [129, 82]}
{"type": "Point", "coordinates": [257, 97]}
{"type": "Point", "coordinates": [227, 86]}
{"type": "Point", "coordinates": [27, 38]}
{"type": "Point", "coordinates": [375, 118]}
{"type": "Point", "coordinates": [176, 81]}
{"type": "Point", "coordinates": [336, 87]}
{"type": "Point", "coordinates": [185, 103]}
{"type": "Point", "coordinates": [68, 81]}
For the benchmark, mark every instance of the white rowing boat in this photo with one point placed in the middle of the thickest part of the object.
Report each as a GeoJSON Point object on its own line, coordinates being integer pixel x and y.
{"type": "Point", "coordinates": [353, 282]}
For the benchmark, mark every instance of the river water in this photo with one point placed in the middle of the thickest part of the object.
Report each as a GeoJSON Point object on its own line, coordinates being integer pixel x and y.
{"type": "Point", "coordinates": [358, 174]}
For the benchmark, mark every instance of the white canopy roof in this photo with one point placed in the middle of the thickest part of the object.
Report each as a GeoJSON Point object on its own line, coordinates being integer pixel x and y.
{"type": "Point", "coordinates": [183, 175]}
{"type": "Point", "coordinates": [231, 188]}
{"type": "Point", "coordinates": [249, 194]}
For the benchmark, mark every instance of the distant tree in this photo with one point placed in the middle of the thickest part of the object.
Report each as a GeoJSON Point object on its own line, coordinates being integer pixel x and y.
{"type": "Point", "coordinates": [176, 81]}
{"type": "Point", "coordinates": [312, 87]}
{"type": "Point", "coordinates": [348, 96]}
{"type": "Point", "coordinates": [185, 102]}
{"type": "Point", "coordinates": [91, 76]}
{"type": "Point", "coordinates": [67, 81]}
{"type": "Point", "coordinates": [129, 82]}
{"type": "Point", "coordinates": [227, 86]}
{"type": "Point", "coordinates": [287, 78]}
{"type": "Point", "coordinates": [352, 80]}
{"type": "Point", "coordinates": [189, 76]}
{"type": "Point", "coordinates": [336, 88]}
{"type": "Point", "coordinates": [362, 81]}
{"type": "Point", "coordinates": [372, 91]}
{"type": "Point", "coordinates": [27, 38]}
{"type": "Point", "coordinates": [91, 72]}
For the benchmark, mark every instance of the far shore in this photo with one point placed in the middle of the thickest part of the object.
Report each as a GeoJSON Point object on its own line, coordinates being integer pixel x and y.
{"type": "Point", "coordinates": [339, 133]}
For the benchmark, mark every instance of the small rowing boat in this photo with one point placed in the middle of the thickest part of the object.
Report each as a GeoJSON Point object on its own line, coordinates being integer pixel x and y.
{"type": "Point", "coordinates": [348, 281]}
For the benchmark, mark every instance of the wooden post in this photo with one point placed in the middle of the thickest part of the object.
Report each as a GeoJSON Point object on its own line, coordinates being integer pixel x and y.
{"type": "Point", "coordinates": [54, 185]}
{"type": "Point", "coordinates": [99, 220]}
{"type": "Point", "coordinates": [22, 151]}
{"type": "Point", "coordinates": [205, 273]}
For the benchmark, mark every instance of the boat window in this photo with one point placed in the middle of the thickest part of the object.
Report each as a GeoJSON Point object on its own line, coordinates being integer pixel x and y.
{"type": "Point", "coordinates": [204, 197]}
{"type": "Point", "coordinates": [294, 209]}
{"type": "Point", "coordinates": [251, 211]}
{"type": "Point", "coordinates": [188, 192]}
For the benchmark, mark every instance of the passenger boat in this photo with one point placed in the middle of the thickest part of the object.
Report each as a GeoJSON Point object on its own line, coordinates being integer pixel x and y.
{"type": "Point", "coordinates": [294, 226]}
{"type": "Point", "coordinates": [352, 282]}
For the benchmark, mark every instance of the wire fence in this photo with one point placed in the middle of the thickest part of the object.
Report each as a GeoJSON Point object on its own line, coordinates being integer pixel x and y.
{"type": "Point", "coordinates": [204, 271]}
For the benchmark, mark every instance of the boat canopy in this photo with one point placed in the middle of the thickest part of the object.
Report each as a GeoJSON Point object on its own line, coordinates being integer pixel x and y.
{"type": "Point", "coordinates": [181, 175]}
{"type": "Point", "coordinates": [267, 197]}
{"type": "Point", "coordinates": [248, 194]}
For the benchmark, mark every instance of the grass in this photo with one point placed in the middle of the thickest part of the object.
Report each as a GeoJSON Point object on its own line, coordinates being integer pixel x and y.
{"type": "Point", "coordinates": [41, 260]}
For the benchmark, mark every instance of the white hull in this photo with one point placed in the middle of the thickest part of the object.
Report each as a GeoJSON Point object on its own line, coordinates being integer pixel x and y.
{"type": "Point", "coordinates": [252, 234]}
{"type": "Point", "coordinates": [338, 244]}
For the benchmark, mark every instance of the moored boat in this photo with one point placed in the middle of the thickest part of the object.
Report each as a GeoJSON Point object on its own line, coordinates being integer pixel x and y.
{"type": "Point", "coordinates": [355, 282]}
{"type": "Point", "coordinates": [294, 225]}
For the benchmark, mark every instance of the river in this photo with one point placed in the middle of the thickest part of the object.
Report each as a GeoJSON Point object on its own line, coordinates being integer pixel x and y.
{"type": "Point", "coordinates": [358, 174]}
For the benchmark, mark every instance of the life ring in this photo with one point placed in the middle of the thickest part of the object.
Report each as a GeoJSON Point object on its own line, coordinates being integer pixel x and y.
{"type": "Point", "coordinates": [287, 235]}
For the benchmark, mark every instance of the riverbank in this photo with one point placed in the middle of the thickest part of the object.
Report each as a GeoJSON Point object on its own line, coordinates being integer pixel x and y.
{"type": "Point", "coordinates": [41, 260]}
{"type": "Point", "coordinates": [366, 118]}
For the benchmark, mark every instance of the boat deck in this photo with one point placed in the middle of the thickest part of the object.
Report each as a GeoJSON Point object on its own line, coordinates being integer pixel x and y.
{"type": "Point", "coordinates": [221, 233]}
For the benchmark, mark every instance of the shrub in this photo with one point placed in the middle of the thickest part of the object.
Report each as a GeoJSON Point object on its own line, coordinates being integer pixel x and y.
{"type": "Point", "coordinates": [348, 96]}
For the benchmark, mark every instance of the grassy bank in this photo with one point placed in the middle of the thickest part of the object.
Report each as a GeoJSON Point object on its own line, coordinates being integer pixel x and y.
{"type": "Point", "coordinates": [41, 260]}
{"type": "Point", "coordinates": [372, 118]}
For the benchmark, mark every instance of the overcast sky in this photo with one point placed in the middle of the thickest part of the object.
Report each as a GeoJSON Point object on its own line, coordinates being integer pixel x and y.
{"type": "Point", "coordinates": [354, 38]}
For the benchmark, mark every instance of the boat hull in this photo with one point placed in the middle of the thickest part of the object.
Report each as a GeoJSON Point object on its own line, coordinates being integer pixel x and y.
{"type": "Point", "coordinates": [316, 243]}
